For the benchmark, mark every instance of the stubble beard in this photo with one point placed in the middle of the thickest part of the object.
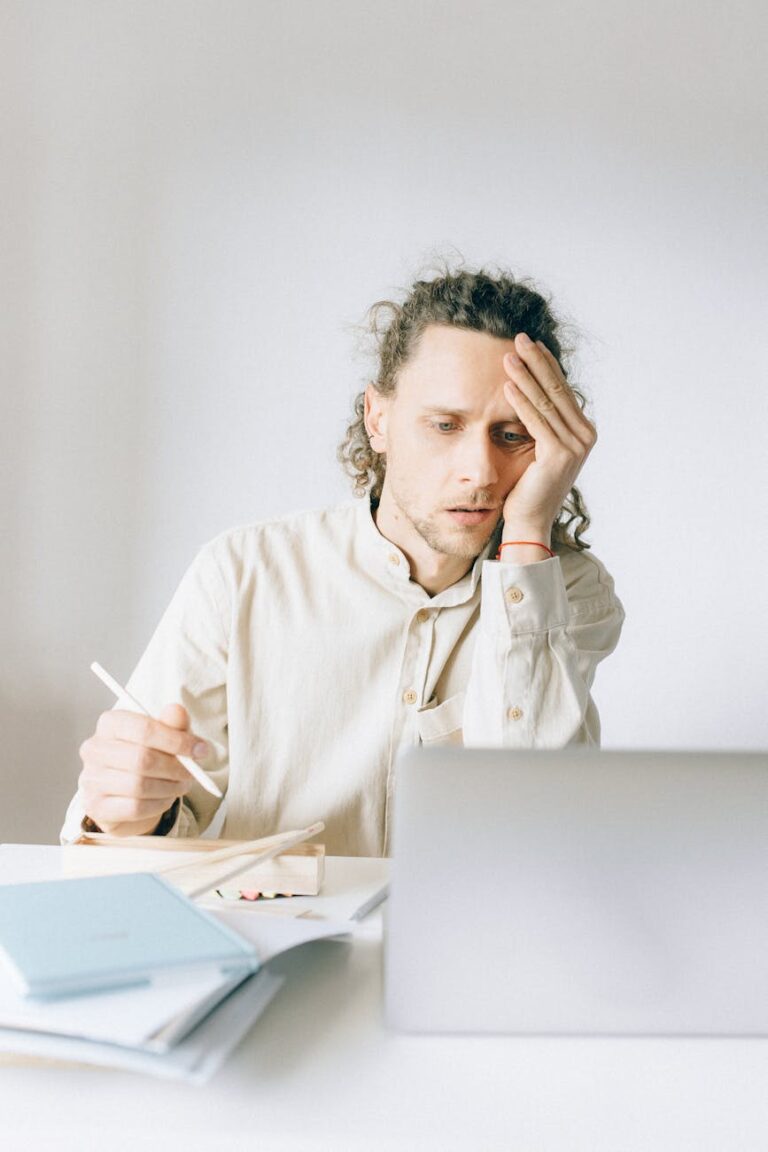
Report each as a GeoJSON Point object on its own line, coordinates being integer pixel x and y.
{"type": "Point", "coordinates": [461, 542]}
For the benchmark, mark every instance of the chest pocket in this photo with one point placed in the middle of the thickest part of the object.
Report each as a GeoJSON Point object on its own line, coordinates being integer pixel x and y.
{"type": "Point", "coordinates": [442, 723]}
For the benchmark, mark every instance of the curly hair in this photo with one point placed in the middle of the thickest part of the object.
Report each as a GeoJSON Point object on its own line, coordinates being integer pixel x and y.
{"type": "Point", "coordinates": [499, 305]}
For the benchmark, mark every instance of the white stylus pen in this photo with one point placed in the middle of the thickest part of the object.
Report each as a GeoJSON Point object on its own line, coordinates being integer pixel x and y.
{"type": "Point", "coordinates": [193, 769]}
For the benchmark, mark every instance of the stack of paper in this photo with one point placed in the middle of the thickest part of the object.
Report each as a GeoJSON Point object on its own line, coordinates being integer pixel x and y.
{"type": "Point", "coordinates": [122, 960]}
{"type": "Point", "coordinates": [153, 1016]}
{"type": "Point", "coordinates": [183, 1027]}
{"type": "Point", "coordinates": [195, 1058]}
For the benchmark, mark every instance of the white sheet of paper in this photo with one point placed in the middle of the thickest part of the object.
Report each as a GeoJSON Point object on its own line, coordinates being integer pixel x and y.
{"type": "Point", "coordinates": [272, 935]}
{"type": "Point", "coordinates": [194, 1059]}
{"type": "Point", "coordinates": [125, 1016]}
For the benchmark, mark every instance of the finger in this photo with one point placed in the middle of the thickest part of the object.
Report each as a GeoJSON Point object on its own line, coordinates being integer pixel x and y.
{"type": "Point", "coordinates": [553, 361]}
{"type": "Point", "coordinates": [548, 374]}
{"type": "Point", "coordinates": [137, 729]}
{"type": "Point", "coordinates": [590, 432]}
{"type": "Point", "coordinates": [114, 782]}
{"type": "Point", "coordinates": [566, 460]}
{"type": "Point", "coordinates": [533, 422]}
{"type": "Point", "coordinates": [550, 420]}
{"type": "Point", "coordinates": [175, 716]}
{"type": "Point", "coordinates": [545, 369]}
{"type": "Point", "coordinates": [99, 755]}
{"type": "Point", "coordinates": [571, 427]}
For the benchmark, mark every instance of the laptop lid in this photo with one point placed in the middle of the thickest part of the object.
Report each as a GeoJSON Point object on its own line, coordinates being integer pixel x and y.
{"type": "Point", "coordinates": [579, 891]}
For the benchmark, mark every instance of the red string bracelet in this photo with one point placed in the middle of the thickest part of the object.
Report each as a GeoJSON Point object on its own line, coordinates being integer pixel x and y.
{"type": "Point", "coordinates": [532, 543]}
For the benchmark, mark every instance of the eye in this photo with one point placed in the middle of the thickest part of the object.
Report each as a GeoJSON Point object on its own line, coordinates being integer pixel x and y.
{"type": "Point", "coordinates": [512, 438]}
{"type": "Point", "coordinates": [443, 425]}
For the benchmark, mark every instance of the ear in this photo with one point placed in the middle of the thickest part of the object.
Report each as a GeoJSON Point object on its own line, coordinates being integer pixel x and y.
{"type": "Point", "coordinates": [375, 416]}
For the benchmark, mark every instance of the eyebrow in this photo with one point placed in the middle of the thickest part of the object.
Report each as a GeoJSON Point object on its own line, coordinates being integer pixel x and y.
{"type": "Point", "coordinates": [446, 410]}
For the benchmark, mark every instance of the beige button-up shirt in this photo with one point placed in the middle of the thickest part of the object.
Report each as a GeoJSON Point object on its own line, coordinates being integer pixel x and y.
{"type": "Point", "coordinates": [308, 658]}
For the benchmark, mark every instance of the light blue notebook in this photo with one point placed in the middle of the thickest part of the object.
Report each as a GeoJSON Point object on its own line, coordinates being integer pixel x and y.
{"type": "Point", "coordinates": [98, 932]}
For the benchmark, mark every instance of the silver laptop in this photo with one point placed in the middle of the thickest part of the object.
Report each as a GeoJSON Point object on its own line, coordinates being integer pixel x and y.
{"type": "Point", "coordinates": [579, 892]}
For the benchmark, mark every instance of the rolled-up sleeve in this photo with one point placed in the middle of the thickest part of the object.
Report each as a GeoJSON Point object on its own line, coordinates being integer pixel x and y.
{"type": "Point", "coordinates": [544, 628]}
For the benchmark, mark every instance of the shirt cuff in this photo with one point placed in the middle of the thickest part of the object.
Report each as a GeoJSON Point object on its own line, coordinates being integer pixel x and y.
{"type": "Point", "coordinates": [524, 597]}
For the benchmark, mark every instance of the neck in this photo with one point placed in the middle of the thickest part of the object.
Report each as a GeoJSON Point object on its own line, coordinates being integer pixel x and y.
{"type": "Point", "coordinates": [433, 570]}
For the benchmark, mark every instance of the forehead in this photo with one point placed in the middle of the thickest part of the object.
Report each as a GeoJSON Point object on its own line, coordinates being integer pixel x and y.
{"type": "Point", "coordinates": [457, 349]}
{"type": "Point", "coordinates": [455, 368]}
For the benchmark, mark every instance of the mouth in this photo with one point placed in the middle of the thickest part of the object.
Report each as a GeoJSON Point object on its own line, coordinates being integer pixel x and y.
{"type": "Point", "coordinates": [472, 517]}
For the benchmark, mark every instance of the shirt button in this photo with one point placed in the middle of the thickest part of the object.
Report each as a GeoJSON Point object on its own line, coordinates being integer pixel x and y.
{"type": "Point", "coordinates": [515, 713]}
{"type": "Point", "coordinates": [410, 697]}
{"type": "Point", "coordinates": [394, 559]}
{"type": "Point", "coordinates": [422, 616]}
{"type": "Point", "coordinates": [514, 595]}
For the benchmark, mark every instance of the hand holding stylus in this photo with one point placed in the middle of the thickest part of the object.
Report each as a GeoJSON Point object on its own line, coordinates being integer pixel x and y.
{"type": "Point", "coordinates": [135, 766]}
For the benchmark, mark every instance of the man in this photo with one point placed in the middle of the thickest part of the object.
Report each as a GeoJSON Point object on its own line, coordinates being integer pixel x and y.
{"type": "Point", "coordinates": [298, 656]}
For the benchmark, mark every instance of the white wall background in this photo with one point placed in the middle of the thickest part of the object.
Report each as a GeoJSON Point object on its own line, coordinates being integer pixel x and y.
{"type": "Point", "coordinates": [199, 201]}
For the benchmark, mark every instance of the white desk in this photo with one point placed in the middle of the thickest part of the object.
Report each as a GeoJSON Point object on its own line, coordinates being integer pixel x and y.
{"type": "Point", "coordinates": [319, 1071]}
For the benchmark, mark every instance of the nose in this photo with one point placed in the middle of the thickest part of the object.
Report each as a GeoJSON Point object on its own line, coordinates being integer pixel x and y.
{"type": "Point", "coordinates": [477, 464]}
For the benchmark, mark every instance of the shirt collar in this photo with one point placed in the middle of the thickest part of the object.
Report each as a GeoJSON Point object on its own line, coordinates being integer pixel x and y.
{"type": "Point", "coordinates": [389, 565]}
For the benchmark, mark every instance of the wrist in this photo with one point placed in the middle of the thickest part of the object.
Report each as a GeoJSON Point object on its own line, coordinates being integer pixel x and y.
{"type": "Point", "coordinates": [527, 544]}
{"type": "Point", "coordinates": [517, 529]}
{"type": "Point", "coordinates": [152, 826]}
{"type": "Point", "coordinates": [124, 828]}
